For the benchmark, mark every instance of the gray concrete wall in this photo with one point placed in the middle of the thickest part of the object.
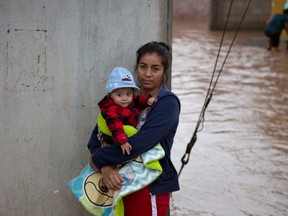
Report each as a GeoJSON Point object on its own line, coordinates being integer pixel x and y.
{"type": "Point", "coordinates": [54, 60]}
{"type": "Point", "coordinates": [259, 11]}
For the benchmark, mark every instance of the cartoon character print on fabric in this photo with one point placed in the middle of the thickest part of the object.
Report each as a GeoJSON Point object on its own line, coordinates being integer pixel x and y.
{"type": "Point", "coordinates": [96, 191]}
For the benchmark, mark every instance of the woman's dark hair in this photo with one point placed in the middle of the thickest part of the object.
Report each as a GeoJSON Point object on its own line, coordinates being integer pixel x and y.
{"type": "Point", "coordinates": [285, 12]}
{"type": "Point", "coordinates": [162, 49]}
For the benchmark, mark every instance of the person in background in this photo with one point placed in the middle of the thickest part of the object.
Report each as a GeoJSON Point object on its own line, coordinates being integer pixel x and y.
{"type": "Point", "coordinates": [121, 106]}
{"type": "Point", "coordinates": [286, 8]}
{"type": "Point", "coordinates": [285, 5]}
{"type": "Point", "coordinates": [274, 27]}
{"type": "Point", "coordinates": [158, 124]}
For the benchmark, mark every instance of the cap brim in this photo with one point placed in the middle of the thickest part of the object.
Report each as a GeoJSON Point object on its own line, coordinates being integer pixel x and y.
{"type": "Point", "coordinates": [136, 88]}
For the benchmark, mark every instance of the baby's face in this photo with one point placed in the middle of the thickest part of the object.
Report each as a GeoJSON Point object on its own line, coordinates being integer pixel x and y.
{"type": "Point", "coordinates": [123, 96]}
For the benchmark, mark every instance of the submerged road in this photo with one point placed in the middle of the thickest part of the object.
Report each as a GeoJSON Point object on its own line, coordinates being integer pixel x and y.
{"type": "Point", "coordinates": [238, 165]}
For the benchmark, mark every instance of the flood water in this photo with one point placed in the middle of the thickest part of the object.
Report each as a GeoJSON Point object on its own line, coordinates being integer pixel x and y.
{"type": "Point", "coordinates": [239, 164]}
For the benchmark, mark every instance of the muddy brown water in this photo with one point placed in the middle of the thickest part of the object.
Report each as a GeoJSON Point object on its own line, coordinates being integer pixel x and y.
{"type": "Point", "coordinates": [239, 164]}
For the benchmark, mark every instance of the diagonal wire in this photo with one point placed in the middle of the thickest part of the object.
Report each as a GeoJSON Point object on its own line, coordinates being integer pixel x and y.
{"type": "Point", "coordinates": [201, 119]}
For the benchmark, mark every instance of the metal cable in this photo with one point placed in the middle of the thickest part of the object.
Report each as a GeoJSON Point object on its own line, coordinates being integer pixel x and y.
{"type": "Point", "coordinates": [201, 119]}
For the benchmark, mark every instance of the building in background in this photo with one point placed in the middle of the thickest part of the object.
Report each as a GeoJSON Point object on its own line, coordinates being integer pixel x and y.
{"type": "Point", "coordinates": [278, 7]}
{"type": "Point", "coordinates": [215, 13]}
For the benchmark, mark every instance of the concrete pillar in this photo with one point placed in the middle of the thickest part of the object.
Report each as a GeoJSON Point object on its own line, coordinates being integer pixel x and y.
{"type": "Point", "coordinates": [55, 57]}
{"type": "Point", "coordinates": [257, 14]}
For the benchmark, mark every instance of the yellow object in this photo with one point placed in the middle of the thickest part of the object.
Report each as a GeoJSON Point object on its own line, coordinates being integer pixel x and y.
{"type": "Point", "coordinates": [128, 129]}
{"type": "Point", "coordinates": [278, 7]}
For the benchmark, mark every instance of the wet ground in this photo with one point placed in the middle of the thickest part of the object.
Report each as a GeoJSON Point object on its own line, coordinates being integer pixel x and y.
{"type": "Point", "coordinates": [238, 165]}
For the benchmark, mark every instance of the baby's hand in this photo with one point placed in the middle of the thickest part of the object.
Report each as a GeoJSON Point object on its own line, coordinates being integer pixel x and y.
{"type": "Point", "coordinates": [151, 100]}
{"type": "Point", "coordinates": [126, 148]}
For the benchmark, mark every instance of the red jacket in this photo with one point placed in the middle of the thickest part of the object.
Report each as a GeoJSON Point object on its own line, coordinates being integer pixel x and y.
{"type": "Point", "coordinates": [117, 116]}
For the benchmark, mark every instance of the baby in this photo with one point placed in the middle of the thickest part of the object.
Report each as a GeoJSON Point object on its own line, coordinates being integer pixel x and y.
{"type": "Point", "coordinates": [121, 106]}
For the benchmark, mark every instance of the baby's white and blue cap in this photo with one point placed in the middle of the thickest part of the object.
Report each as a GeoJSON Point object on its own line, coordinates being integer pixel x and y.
{"type": "Point", "coordinates": [120, 78]}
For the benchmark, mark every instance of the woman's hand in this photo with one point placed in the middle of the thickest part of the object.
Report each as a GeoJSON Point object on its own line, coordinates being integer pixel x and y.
{"type": "Point", "coordinates": [111, 178]}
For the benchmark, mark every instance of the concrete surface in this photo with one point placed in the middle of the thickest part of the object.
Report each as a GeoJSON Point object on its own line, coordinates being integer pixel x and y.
{"type": "Point", "coordinates": [55, 57]}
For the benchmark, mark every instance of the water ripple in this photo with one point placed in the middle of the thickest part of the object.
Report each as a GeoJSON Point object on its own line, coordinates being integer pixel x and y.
{"type": "Point", "coordinates": [238, 165]}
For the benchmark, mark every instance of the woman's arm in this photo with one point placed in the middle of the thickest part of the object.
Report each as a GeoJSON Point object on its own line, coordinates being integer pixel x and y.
{"type": "Point", "coordinates": [94, 143]}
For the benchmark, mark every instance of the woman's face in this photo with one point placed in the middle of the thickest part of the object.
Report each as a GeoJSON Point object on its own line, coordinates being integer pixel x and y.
{"type": "Point", "coordinates": [150, 72]}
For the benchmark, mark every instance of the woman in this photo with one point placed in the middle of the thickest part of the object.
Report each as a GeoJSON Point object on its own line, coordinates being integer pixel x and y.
{"type": "Point", "coordinates": [159, 125]}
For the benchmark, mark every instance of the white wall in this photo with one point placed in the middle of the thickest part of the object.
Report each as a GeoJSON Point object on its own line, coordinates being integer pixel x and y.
{"type": "Point", "coordinates": [54, 60]}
